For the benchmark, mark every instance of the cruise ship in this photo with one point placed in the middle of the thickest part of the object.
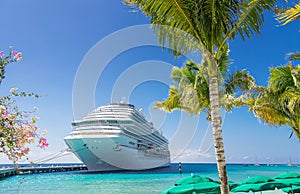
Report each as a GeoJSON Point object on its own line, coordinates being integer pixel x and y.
{"type": "Point", "coordinates": [118, 137]}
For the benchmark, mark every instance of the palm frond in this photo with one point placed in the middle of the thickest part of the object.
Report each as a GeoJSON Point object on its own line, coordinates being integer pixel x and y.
{"type": "Point", "coordinates": [289, 15]}
{"type": "Point", "coordinates": [171, 103]}
{"type": "Point", "coordinates": [250, 17]}
{"type": "Point", "coordinates": [239, 81]}
{"type": "Point", "coordinates": [179, 41]}
{"type": "Point", "coordinates": [280, 78]}
{"type": "Point", "coordinates": [176, 74]}
{"type": "Point", "coordinates": [214, 19]}
{"type": "Point", "coordinates": [290, 101]}
{"type": "Point", "coordinates": [173, 21]}
{"type": "Point", "coordinates": [223, 60]}
{"type": "Point", "coordinates": [295, 73]}
{"type": "Point", "coordinates": [294, 56]}
{"type": "Point", "coordinates": [279, 103]}
{"type": "Point", "coordinates": [270, 115]}
{"type": "Point", "coordinates": [192, 91]}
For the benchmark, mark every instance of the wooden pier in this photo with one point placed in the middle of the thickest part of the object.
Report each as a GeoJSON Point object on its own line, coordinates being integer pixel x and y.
{"type": "Point", "coordinates": [42, 169]}
{"type": "Point", "coordinates": [7, 172]}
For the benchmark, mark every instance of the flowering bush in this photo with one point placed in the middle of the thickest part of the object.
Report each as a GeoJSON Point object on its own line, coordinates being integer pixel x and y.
{"type": "Point", "coordinates": [17, 128]}
{"type": "Point", "coordinates": [5, 60]}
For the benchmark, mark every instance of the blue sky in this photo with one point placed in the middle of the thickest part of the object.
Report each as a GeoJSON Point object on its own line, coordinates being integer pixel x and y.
{"type": "Point", "coordinates": [55, 36]}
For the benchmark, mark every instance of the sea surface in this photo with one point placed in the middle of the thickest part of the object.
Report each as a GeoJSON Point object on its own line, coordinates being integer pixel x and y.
{"type": "Point", "coordinates": [128, 182]}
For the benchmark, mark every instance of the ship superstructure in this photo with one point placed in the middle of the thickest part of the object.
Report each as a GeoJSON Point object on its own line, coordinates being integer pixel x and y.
{"type": "Point", "coordinates": [118, 137]}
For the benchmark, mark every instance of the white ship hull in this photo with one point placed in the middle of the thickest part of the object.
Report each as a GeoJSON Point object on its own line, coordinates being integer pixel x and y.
{"type": "Point", "coordinates": [118, 137]}
{"type": "Point", "coordinates": [111, 152]}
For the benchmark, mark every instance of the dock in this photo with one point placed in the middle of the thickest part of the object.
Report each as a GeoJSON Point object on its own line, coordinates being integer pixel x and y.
{"type": "Point", "coordinates": [6, 172]}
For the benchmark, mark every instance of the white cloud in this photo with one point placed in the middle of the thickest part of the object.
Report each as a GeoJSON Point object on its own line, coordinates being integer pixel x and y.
{"type": "Point", "coordinates": [191, 155]}
{"type": "Point", "coordinates": [245, 157]}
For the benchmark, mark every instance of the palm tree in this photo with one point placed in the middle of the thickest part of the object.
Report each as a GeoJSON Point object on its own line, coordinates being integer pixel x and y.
{"type": "Point", "coordinates": [208, 25]}
{"type": "Point", "coordinates": [279, 103]}
{"type": "Point", "coordinates": [191, 94]}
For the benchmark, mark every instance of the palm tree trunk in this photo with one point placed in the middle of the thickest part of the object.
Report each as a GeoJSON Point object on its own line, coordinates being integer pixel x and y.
{"type": "Point", "coordinates": [216, 121]}
{"type": "Point", "coordinates": [217, 133]}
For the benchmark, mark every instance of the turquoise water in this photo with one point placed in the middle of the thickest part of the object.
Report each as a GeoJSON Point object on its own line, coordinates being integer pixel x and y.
{"type": "Point", "coordinates": [149, 182]}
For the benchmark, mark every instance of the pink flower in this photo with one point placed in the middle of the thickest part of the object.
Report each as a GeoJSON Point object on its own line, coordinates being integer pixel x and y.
{"type": "Point", "coordinates": [7, 124]}
{"type": "Point", "coordinates": [14, 52]}
{"type": "Point", "coordinates": [19, 143]}
{"type": "Point", "coordinates": [5, 113]}
{"type": "Point", "coordinates": [18, 56]}
{"type": "Point", "coordinates": [1, 54]}
{"type": "Point", "coordinates": [12, 90]}
{"type": "Point", "coordinates": [43, 142]}
{"type": "Point", "coordinates": [26, 151]}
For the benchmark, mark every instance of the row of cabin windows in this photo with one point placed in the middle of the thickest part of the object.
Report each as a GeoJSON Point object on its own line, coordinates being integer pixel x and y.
{"type": "Point", "coordinates": [74, 124]}
{"type": "Point", "coordinates": [158, 141]}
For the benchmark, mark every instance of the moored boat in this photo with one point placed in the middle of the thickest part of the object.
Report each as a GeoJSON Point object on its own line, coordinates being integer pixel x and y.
{"type": "Point", "coordinates": [118, 137]}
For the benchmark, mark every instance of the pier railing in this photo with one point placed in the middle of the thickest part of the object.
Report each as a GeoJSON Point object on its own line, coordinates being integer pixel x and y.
{"type": "Point", "coordinates": [6, 172]}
